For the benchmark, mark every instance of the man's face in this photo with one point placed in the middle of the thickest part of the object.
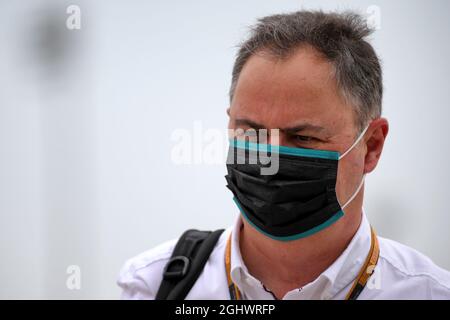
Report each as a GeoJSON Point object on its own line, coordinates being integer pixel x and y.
{"type": "Point", "coordinates": [299, 96]}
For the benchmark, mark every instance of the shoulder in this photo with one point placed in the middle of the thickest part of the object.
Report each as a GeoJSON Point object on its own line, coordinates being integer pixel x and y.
{"type": "Point", "coordinates": [141, 276]}
{"type": "Point", "coordinates": [410, 274]}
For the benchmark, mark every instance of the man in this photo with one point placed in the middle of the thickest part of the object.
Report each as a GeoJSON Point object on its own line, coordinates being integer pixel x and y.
{"type": "Point", "coordinates": [302, 233]}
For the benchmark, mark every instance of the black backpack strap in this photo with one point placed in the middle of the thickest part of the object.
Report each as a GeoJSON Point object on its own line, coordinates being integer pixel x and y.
{"type": "Point", "coordinates": [188, 259]}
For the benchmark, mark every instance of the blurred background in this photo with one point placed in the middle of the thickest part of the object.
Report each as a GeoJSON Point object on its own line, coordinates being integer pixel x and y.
{"type": "Point", "coordinates": [88, 108]}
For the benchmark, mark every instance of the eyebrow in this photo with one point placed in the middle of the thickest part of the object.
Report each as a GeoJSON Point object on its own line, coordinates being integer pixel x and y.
{"type": "Point", "coordinates": [296, 128]}
{"type": "Point", "coordinates": [250, 123]}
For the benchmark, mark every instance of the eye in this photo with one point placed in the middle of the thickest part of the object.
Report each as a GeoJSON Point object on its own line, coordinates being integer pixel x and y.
{"type": "Point", "coordinates": [301, 138]}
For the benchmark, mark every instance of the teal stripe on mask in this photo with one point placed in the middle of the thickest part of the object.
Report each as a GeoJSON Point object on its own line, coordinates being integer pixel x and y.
{"type": "Point", "coordinates": [305, 234]}
{"type": "Point", "coordinates": [310, 153]}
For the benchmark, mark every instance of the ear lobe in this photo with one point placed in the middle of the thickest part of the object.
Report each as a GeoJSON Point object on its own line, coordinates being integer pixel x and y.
{"type": "Point", "coordinates": [378, 131]}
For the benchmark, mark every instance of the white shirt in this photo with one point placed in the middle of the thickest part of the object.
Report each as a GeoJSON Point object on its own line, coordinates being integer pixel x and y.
{"type": "Point", "coordinates": [401, 273]}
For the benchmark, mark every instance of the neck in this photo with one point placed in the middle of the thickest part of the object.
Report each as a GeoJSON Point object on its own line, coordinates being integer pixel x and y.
{"type": "Point", "coordinates": [284, 266]}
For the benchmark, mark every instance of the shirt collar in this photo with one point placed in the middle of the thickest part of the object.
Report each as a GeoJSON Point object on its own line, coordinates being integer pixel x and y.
{"type": "Point", "coordinates": [328, 285]}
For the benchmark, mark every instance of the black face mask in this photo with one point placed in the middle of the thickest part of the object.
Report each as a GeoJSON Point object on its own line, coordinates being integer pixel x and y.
{"type": "Point", "coordinates": [296, 201]}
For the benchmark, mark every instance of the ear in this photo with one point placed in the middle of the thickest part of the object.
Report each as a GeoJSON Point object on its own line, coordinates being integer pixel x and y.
{"type": "Point", "coordinates": [376, 135]}
{"type": "Point", "coordinates": [228, 111]}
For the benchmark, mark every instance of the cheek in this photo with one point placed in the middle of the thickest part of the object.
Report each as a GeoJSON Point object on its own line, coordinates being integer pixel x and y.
{"type": "Point", "coordinates": [349, 176]}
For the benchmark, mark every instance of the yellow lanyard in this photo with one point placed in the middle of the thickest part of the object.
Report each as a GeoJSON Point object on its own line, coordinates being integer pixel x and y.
{"type": "Point", "coordinates": [357, 287]}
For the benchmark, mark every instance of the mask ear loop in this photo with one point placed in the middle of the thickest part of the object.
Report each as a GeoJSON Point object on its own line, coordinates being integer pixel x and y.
{"type": "Point", "coordinates": [364, 175]}
{"type": "Point", "coordinates": [355, 193]}
{"type": "Point", "coordinates": [354, 143]}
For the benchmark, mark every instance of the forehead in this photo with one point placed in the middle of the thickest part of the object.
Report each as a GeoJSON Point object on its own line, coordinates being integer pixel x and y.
{"type": "Point", "coordinates": [300, 87]}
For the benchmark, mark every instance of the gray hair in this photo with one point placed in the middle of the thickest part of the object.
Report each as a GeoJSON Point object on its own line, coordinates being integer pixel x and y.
{"type": "Point", "coordinates": [339, 37]}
